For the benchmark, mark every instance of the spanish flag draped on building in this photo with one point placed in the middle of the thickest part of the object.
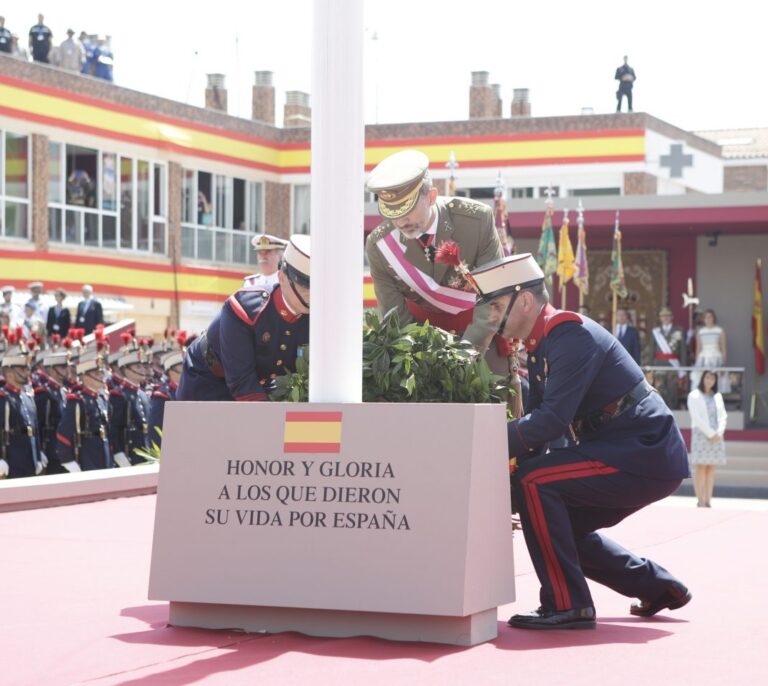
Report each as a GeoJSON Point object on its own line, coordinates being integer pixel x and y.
{"type": "Point", "coordinates": [565, 261]}
{"type": "Point", "coordinates": [758, 326]}
{"type": "Point", "coordinates": [618, 284]}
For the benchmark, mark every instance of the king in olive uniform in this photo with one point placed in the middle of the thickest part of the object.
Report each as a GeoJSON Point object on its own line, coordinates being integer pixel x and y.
{"type": "Point", "coordinates": [401, 251]}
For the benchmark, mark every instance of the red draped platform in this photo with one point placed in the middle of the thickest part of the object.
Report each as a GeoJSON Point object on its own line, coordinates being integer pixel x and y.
{"type": "Point", "coordinates": [73, 610]}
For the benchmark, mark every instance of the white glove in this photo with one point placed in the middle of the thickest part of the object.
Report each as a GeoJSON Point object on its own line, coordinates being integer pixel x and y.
{"type": "Point", "coordinates": [4, 469]}
{"type": "Point", "coordinates": [44, 459]}
{"type": "Point", "coordinates": [39, 468]}
{"type": "Point", "coordinates": [71, 467]}
{"type": "Point", "coordinates": [121, 460]}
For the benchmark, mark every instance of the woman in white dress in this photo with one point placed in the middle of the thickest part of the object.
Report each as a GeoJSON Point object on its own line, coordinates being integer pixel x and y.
{"type": "Point", "coordinates": [708, 421]}
{"type": "Point", "coordinates": [711, 350]}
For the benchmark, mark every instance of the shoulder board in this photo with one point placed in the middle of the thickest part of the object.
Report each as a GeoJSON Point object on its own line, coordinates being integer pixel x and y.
{"type": "Point", "coordinates": [467, 207]}
{"type": "Point", "coordinates": [380, 231]}
{"type": "Point", "coordinates": [160, 394]}
{"type": "Point", "coordinates": [560, 317]}
{"type": "Point", "coordinates": [248, 304]}
{"type": "Point", "coordinates": [40, 389]}
{"type": "Point", "coordinates": [116, 391]}
{"type": "Point", "coordinates": [73, 396]}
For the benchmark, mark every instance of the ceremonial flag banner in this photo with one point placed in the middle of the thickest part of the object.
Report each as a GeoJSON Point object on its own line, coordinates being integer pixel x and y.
{"type": "Point", "coordinates": [547, 254]}
{"type": "Point", "coordinates": [566, 266]}
{"type": "Point", "coordinates": [312, 432]}
{"type": "Point", "coordinates": [581, 273]}
{"type": "Point", "coordinates": [618, 285]}
{"type": "Point", "coordinates": [758, 326]}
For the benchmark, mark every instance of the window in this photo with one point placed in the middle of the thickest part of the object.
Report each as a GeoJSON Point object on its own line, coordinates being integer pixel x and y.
{"type": "Point", "coordinates": [301, 209]}
{"type": "Point", "coordinates": [516, 193]}
{"type": "Point", "coordinates": [101, 199]}
{"type": "Point", "coordinates": [584, 192]}
{"type": "Point", "coordinates": [14, 185]}
{"type": "Point", "coordinates": [219, 216]}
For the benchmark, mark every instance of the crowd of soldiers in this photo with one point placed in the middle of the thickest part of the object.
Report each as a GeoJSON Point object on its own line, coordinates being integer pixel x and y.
{"type": "Point", "coordinates": [76, 406]}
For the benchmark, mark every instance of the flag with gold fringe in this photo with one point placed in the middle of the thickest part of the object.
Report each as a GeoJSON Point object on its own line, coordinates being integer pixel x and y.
{"type": "Point", "coordinates": [566, 266]}
{"type": "Point", "coordinates": [618, 284]}
{"type": "Point", "coordinates": [547, 253]}
{"type": "Point", "coordinates": [758, 327]}
{"type": "Point", "coordinates": [581, 266]}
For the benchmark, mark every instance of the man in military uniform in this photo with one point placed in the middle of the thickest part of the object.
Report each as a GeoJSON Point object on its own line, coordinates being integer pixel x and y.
{"type": "Point", "coordinates": [269, 251]}
{"type": "Point", "coordinates": [627, 453]}
{"type": "Point", "coordinates": [668, 349]}
{"type": "Point", "coordinates": [20, 453]}
{"type": "Point", "coordinates": [173, 362]}
{"type": "Point", "coordinates": [129, 421]}
{"type": "Point", "coordinates": [83, 432]}
{"type": "Point", "coordinates": [255, 337]}
{"type": "Point", "coordinates": [51, 393]}
{"type": "Point", "coordinates": [625, 75]}
{"type": "Point", "coordinates": [401, 251]}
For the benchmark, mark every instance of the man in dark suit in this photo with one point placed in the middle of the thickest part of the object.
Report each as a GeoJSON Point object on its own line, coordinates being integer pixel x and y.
{"type": "Point", "coordinates": [89, 312]}
{"type": "Point", "coordinates": [627, 334]}
{"type": "Point", "coordinates": [626, 77]}
{"type": "Point", "coordinates": [58, 316]}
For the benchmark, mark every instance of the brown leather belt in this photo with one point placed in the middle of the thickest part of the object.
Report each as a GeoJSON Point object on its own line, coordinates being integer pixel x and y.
{"type": "Point", "coordinates": [599, 418]}
{"type": "Point", "coordinates": [210, 357]}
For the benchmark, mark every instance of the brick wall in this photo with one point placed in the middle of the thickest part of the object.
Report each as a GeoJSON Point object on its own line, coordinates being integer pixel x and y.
{"type": "Point", "coordinates": [39, 193]}
{"type": "Point", "coordinates": [745, 178]}
{"type": "Point", "coordinates": [277, 209]}
{"type": "Point", "coordinates": [639, 183]}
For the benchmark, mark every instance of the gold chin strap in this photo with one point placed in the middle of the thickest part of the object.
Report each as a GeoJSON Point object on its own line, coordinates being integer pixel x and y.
{"type": "Point", "coordinates": [404, 204]}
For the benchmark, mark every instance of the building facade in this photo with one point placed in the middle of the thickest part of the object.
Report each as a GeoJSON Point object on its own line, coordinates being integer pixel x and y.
{"type": "Point", "coordinates": [154, 202]}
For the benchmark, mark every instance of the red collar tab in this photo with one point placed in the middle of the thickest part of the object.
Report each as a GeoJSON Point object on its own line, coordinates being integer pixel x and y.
{"type": "Point", "coordinates": [537, 333]}
{"type": "Point", "coordinates": [282, 308]}
{"type": "Point", "coordinates": [12, 388]}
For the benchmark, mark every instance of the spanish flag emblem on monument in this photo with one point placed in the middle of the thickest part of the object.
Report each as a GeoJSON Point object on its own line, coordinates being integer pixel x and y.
{"type": "Point", "coordinates": [312, 432]}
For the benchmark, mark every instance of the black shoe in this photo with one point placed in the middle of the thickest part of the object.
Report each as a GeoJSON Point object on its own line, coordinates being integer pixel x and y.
{"type": "Point", "coordinates": [673, 598]}
{"type": "Point", "coordinates": [583, 618]}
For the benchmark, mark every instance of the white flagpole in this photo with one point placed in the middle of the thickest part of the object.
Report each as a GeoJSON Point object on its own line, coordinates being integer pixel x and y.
{"type": "Point", "coordinates": [338, 144]}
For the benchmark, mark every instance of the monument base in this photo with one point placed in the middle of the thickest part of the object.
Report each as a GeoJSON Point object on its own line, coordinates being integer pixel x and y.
{"type": "Point", "coordinates": [463, 631]}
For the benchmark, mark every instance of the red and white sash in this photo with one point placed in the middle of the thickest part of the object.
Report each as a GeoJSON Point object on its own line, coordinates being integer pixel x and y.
{"type": "Point", "coordinates": [444, 298]}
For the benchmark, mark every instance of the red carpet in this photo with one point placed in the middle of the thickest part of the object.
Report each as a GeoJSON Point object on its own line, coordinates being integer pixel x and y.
{"type": "Point", "coordinates": [73, 586]}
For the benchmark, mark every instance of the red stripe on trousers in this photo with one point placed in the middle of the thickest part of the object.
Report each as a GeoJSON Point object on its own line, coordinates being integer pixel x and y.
{"type": "Point", "coordinates": [541, 531]}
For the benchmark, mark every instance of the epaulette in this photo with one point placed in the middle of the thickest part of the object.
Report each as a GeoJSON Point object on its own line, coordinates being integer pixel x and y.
{"type": "Point", "coordinates": [40, 389]}
{"type": "Point", "coordinates": [560, 317]}
{"type": "Point", "coordinates": [73, 396]}
{"type": "Point", "coordinates": [159, 394]}
{"type": "Point", "coordinates": [116, 391]}
{"type": "Point", "coordinates": [380, 231]}
{"type": "Point", "coordinates": [248, 304]}
{"type": "Point", "coordinates": [2, 394]}
{"type": "Point", "coordinates": [467, 207]}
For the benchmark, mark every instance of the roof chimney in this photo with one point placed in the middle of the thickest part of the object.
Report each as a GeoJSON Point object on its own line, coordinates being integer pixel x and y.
{"type": "Point", "coordinates": [296, 111]}
{"type": "Point", "coordinates": [263, 100]}
{"type": "Point", "coordinates": [216, 93]}
{"type": "Point", "coordinates": [521, 105]}
{"type": "Point", "coordinates": [482, 99]}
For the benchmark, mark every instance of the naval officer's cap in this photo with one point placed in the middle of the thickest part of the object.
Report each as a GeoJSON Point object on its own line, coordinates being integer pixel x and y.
{"type": "Point", "coordinates": [397, 181]}
{"type": "Point", "coordinates": [507, 275]}
{"type": "Point", "coordinates": [265, 241]}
